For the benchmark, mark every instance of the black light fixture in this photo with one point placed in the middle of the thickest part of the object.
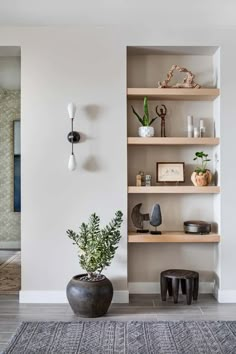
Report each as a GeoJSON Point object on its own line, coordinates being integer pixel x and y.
{"type": "Point", "coordinates": [73, 137]}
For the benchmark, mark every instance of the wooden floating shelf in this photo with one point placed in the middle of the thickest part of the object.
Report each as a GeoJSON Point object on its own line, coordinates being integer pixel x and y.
{"type": "Point", "coordinates": [172, 237]}
{"type": "Point", "coordinates": [176, 94]}
{"type": "Point", "coordinates": [174, 190]}
{"type": "Point", "coordinates": [173, 141]}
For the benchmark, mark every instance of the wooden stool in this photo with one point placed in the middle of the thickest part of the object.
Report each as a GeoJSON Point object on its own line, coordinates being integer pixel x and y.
{"type": "Point", "coordinates": [189, 284]}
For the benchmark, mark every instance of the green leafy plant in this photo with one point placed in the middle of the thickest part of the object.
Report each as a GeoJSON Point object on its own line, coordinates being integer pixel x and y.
{"type": "Point", "coordinates": [97, 245]}
{"type": "Point", "coordinates": [203, 162]}
{"type": "Point", "coordinates": [145, 120]}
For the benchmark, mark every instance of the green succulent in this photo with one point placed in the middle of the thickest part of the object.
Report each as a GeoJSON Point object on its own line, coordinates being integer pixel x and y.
{"type": "Point", "coordinates": [97, 246]}
{"type": "Point", "coordinates": [203, 162]}
{"type": "Point", "coordinates": [145, 120]}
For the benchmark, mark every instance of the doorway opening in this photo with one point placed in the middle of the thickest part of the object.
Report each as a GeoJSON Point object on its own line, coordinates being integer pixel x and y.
{"type": "Point", "coordinates": [10, 169]}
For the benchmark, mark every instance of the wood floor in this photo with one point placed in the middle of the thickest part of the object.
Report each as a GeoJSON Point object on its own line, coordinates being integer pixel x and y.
{"type": "Point", "coordinates": [141, 307]}
{"type": "Point", "coordinates": [10, 272]}
{"type": "Point", "coordinates": [5, 255]}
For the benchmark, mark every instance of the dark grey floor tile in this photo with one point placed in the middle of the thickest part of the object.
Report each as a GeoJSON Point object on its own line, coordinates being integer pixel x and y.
{"type": "Point", "coordinates": [226, 309]}
{"type": "Point", "coordinates": [13, 306]}
{"type": "Point", "coordinates": [141, 307]}
{"type": "Point", "coordinates": [132, 310]}
{"type": "Point", "coordinates": [5, 336]}
{"type": "Point", "coordinates": [8, 327]}
{"type": "Point", "coordinates": [33, 310]}
{"type": "Point", "coordinates": [203, 299]}
{"type": "Point", "coordinates": [7, 297]}
{"type": "Point", "coordinates": [2, 346]}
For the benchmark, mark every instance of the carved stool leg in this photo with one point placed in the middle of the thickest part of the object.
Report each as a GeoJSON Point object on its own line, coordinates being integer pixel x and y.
{"type": "Point", "coordinates": [175, 286]}
{"type": "Point", "coordinates": [163, 288]}
{"type": "Point", "coordinates": [195, 288]}
{"type": "Point", "coordinates": [169, 285]}
{"type": "Point", "coordinates": [183, 286]}
{"type": "Point", "coordinates": [189, 290]}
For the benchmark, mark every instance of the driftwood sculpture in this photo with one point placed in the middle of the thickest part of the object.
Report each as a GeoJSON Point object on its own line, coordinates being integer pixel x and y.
{"type": "Point", "coordinates": [188, 81]}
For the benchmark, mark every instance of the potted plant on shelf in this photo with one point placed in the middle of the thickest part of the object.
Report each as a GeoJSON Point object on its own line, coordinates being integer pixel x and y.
{"type": "Point", "coordinates": [145, 130]}
{"type": "Point", "coordinates": [90, 294]}
{"type": "Point", "coordinates": [201, 176]}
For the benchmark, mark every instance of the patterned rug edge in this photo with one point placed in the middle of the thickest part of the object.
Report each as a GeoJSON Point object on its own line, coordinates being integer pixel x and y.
{"type": "Point", "coordinates": [23, 325]}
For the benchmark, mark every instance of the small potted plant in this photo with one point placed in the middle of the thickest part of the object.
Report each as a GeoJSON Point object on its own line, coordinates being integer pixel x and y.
{"type": "Point", "coordinates": [90, 294]}
{"type": "Point", "coordinates": [201, 176]}
{"type": "Point", "coordinates": [145, 130]}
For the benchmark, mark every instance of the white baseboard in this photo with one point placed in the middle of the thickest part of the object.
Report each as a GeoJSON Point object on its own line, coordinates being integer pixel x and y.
{"type": "Point", "coordinates": [9, 244]}
{"type": "Point", "coordinates": [59, 297]}
{"type": "Point", "coordinates": [225, 296]}
{"type": "Point", "coordinates": [122, 296]}
{"type": "Point", "coordinates": [144, 288]}
{"type": "Point", "coordinates": [154, 288]}
{"type": "Point", "coordinates": [42, 297]}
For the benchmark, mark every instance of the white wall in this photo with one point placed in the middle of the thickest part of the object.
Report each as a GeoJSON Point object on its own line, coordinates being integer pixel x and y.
{"type": "Point", "coordinates": [162, 14]}
{"type": "Point", "coordinates": [88, 66]}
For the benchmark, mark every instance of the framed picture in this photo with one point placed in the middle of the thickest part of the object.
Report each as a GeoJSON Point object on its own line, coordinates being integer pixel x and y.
{"type": "Point", "coordinates": [170, 172]}
{"type": "Point", "coordinates": [17, 166]}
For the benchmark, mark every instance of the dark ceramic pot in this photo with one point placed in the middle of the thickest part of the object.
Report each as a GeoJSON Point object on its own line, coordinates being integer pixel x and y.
{"type": "Point", "coordinates": [89, 298]}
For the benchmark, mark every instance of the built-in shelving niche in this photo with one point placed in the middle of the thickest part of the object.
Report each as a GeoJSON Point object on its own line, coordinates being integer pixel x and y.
{"type": "Point", "coordinates": [145, 67]}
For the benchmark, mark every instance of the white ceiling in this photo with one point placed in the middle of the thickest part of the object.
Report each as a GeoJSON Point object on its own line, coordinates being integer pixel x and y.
{"type": "Point", "coordinates": [159, 13]}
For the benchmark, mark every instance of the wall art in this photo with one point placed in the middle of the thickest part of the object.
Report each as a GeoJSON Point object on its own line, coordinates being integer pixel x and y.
{"type": "Point", "coordinates": [170, 172]}
{"type": "Point", "coordinates": [17, 166]}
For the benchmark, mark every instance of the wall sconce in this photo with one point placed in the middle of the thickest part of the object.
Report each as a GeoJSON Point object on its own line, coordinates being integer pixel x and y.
{"type": "Point", "coordinates": [73, 137]}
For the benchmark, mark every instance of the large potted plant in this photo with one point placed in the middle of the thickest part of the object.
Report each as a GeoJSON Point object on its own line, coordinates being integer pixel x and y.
{"type": "Point", "coordinates": [201, 176]}
{"type": "Point", "coordinates": [145, 130]}
{"type": "Point", "coordinates": [90, 294]}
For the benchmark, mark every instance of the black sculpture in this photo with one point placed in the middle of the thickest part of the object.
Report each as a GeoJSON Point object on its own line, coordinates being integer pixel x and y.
{"type": "Point", "coordinates": [138, 218]}
{"type": "Point", "coordinates": [156, 218]}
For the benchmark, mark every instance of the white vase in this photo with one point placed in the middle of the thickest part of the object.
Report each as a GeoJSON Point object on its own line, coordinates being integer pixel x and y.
{"type": "Point", "coordinates": [146, 131]}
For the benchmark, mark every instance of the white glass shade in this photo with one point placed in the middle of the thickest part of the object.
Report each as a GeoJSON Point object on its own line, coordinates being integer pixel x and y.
{"type": "Point", "coordinates": [72, 163]}
{"type": "Point", "coordinates": [71, 110]}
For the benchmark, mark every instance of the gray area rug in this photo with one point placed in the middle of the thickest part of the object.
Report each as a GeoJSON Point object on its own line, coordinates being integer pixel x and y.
{"type": "Point", "coordinates": [103, 337]}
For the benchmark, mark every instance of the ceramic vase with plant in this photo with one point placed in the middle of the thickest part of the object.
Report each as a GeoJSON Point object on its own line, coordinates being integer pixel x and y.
{"type": "Point", "coordinates": [201, 176]}
{"type": "Point", "coordinates": [145, 130]}
{"type": "Point", "coordinates": [90, 294]}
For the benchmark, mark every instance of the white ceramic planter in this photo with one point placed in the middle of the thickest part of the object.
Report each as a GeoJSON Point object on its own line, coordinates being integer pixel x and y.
{"type": "Point", "coordinates": [146, 131]}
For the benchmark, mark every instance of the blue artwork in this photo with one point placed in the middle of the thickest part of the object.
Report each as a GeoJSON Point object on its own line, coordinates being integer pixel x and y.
{"type": "Point", "coordinates": [17, 184]}
{"type": "Point", "coordinates": [17, 167]}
